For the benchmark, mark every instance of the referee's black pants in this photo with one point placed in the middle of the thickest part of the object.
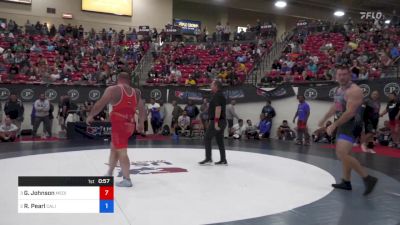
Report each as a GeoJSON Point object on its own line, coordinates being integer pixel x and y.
{"type": "Point", "coordinates": [219, 136]}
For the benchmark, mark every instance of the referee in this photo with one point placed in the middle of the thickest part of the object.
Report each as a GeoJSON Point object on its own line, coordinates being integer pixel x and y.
{"type": "Point", "coordinates": [216, 115]}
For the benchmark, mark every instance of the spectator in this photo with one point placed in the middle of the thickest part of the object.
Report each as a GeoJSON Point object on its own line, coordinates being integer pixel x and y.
{"type": "Point", "coordinates": [191, 81]}
{"type": "Point", "coordinates": [394, 51]}
{"type": "Point", "coordinates": [191, 110]}
{"type": "Point", "coordinates": [102, 116]}
{"type": "Point", "coordinates": [8, 131]}
{"type": "Point", "coordinates": [321, 136]}
{"type": "Point", "coordinates": [14, 109]}
{"type": "Point", "coordinates": [268, 111]}
{"type": "Point", "coordinates": [163, 112]}
{"type": "Point", "coordinates": [393, 109]}
{"type": "Point", "coordinates": [238, 129]}
{"type": "Point", "coordinates": [152, 73]}
{"type": "Point", "coordinates": [176, 113]}
{"type": "Point", "coordinates": [42, 108]}
{"type": "Point", "coordinates": [384, 134]}
{"type": "Point", "coordinates": [51, 119]}
{"type": "Point", "coordinates": [313, 67]}
{"type": "Point", "coordinates": [63, 107]}
{"type": "Point", "coordinates": [14, 70]}
{"type": "Point", "coordinates": [285, 132]}
{"type": "Point", "coordinates": [230, 116]}
{"type": "Point", "coordinates": [227, 32]}
{"type": "Point", "coordinates": [276, 65]}
{"type": "Point", "coordinates": [251, 131]}
{"type": "Point", "coordinates": [2, 67]}
{"type": "Point", "coordinates": [183, 124]}
{"type": "Point", "coordinates": [303, 113]}
{"type": "Point", "coordinates": [264, 126]}
{"type": "Point", "coordinates": [154, 110]}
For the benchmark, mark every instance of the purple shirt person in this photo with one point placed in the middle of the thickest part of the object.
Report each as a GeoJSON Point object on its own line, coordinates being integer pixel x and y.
{"type": "Point", "coordinates": [303, 111]}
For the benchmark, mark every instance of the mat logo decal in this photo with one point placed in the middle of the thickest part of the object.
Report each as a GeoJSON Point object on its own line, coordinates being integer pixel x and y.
{"type": "Point", "coordinates": [153, 167]}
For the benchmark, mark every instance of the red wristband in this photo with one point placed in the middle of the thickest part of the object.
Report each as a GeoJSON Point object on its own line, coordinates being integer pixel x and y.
{"type": "Point", "coordinates": [216, 120]}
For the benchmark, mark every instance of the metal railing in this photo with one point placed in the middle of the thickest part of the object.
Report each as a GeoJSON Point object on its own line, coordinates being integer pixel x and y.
{"type": "Point", "coordinates": [142, 67]}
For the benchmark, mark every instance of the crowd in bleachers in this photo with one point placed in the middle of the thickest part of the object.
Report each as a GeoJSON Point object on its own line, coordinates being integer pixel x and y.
{"type": "Point", "coordinates": [370, 47]}
{"type": "Point", "coordinates": [35, 53]}
{"type": "Point", "coordinates": [192, 64]}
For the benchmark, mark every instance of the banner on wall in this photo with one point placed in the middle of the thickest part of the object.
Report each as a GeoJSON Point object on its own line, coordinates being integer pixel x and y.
{"type": "Point", "coordinates": [266, 27]}
{"type": "Point", "coordinates": [31, 92]}
{"type": "Point", "coordinates": [173, 30]}
{"type": "Point", "coordinates": [80, 94]}
{"type": "Point", "coordinates": [242, 94]}
{"type": "Point", "coordinates": [188, 26]}
{"type": "Point", "coordinates": [144, 30]}
{"type": "Point", "coordinates": [326, 91]}
{"type": "Point", "coordinates": [96, 131]}
{"type": "Point", "coordinates": [302, 23]}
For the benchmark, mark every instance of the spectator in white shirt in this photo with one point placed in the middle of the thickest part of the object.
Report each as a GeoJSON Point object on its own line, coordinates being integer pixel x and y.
{"type": "Point", "coordinates": [239, 129]}
{"type": "Point", "coordinates": [230, 115]}
{"type": "Point", "coordinates": [183, 124]}
{"type": "Point", "coordinates": [42, 108]}
{"type": "Point", "coordinates": [251, 131]}
{"type": "Point", "coordinates": [8, 131]}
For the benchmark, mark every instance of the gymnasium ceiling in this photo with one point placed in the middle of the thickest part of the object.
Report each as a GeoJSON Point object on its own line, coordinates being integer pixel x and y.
{"type": "Point", "coordinates": [321, 9]}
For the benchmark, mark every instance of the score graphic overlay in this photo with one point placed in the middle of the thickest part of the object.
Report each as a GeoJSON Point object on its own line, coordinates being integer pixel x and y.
{"type": "Point", "coordinates": [65, 194]}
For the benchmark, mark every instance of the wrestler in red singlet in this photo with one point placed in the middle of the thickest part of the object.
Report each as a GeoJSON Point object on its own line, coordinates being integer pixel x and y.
{"type": "Point", "coordinates": [124, 100]}
{"type": "Point", "coordinates": [122, 118]}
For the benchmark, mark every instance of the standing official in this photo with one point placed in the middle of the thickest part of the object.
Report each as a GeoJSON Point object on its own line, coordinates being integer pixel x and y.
{"type": "Point", "coordinates": [216, 115]}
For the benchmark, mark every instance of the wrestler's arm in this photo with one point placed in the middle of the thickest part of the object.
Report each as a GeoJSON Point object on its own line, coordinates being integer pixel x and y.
{"type": "Point", "coordinates": [99, 106]}
{"type": "Point", "coordinates": [328, 115]}
{"type": "Point", "coordinates": [354, 101]}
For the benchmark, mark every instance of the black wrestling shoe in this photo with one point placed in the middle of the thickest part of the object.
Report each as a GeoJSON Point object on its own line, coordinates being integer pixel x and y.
{"type": "Point", "coordinates": [221, 163]}
{"type": "Point", "coordinates": [206, 162]}
{"type": "Point", "coordinates": [345, 185]}
{"type": "Point", "coordinates": [369, 183]}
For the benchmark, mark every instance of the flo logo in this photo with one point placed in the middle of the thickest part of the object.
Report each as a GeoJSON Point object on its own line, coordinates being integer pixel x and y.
{"type": "Point", "coordinates": [310, 93]}
{"type": "Point", "coordinates": [153, 167]}
{"type": "Point", "coordinates": [371, 15]}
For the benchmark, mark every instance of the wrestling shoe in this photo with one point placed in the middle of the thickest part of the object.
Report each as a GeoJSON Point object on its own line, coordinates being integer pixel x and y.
{"type": "Point", "coordinates": [206, 162]}
{"type": "Point", "coordinates": [369, 183]}
{"type": "Point", "coordinates": [364, 147]}
{"type": "Point", "coordinates": [345, 185]}
{"type": "Point", "coordinates": [221, 163]}
{"type": "Point", "coordinates": [124, 183]}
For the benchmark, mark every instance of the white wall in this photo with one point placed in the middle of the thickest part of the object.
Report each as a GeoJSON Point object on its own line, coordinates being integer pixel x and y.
{"type": "Point", "coordinates": [155, 13]}
{"type": "Point", "coordinates": [285, 110]}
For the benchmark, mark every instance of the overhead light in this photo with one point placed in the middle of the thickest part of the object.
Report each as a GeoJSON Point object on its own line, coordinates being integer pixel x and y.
{"type": "Point", "coordinates": [387, 21]}
{"type": "Point", "coordinates": [280, 4]}
{"type": "Point", "coordinates": [339, 13]}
